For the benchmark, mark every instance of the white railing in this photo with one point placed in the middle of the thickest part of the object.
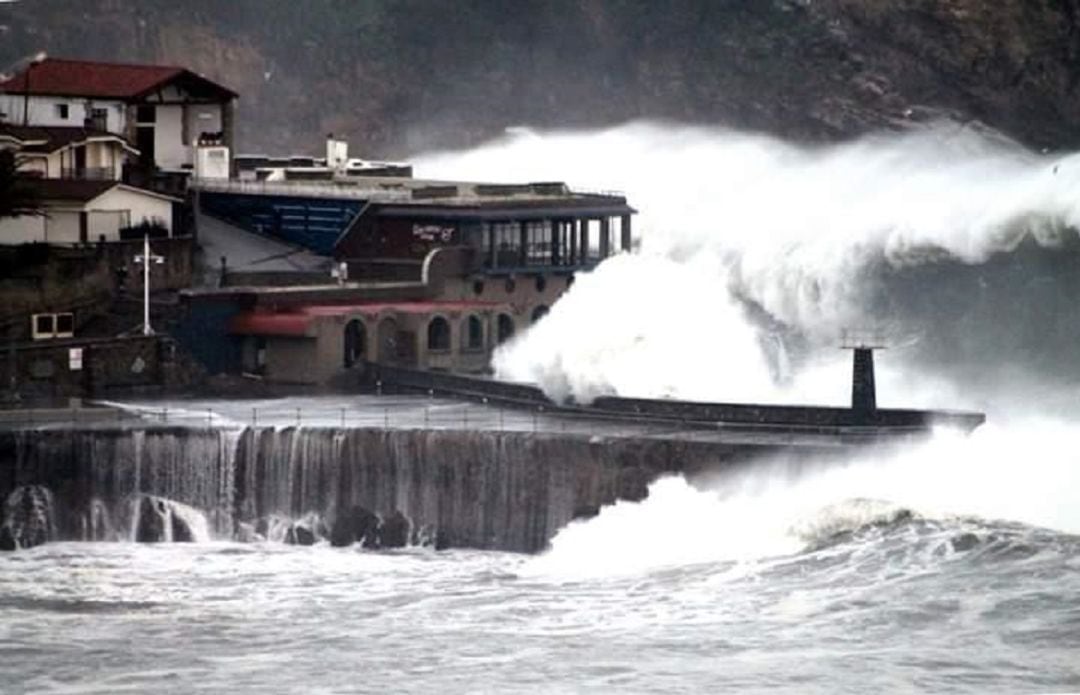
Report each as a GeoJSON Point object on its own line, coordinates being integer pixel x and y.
{"type": "Point", "coordinates": [578, 190]}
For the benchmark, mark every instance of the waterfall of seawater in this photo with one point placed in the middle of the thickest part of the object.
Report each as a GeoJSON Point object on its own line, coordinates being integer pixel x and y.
{"type": "Point", "coordinates": [381, 488]}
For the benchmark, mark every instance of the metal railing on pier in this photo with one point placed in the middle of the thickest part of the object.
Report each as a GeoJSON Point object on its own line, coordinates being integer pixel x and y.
{"type": "Point", "coordinates": [417, 412]}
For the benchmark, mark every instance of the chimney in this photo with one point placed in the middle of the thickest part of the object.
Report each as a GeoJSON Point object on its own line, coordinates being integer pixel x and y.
{"type": "Point", "coordinates": [337, 153]}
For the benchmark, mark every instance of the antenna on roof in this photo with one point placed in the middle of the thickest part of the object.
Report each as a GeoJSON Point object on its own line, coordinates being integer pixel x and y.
{"type": "Point", "coordinates": [863, 388]}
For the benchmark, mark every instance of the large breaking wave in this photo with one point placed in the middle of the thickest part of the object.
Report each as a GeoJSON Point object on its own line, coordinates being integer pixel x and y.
{"type": "Point", "coordinates": [957, 248]}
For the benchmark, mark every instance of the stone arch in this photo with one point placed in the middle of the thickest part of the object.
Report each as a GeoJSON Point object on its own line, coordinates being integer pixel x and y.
{"type": "Point", "coordinates": [438, 333]}
{"type": "Point", "coordinates": [504, 328]}
{"type": "Point", "coordinates": [354, 342]}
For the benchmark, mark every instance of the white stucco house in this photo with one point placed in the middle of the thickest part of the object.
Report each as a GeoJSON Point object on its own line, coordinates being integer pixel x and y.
{"type": "Point", "coordinates": [164, 112]}
{"type": "Point", "coordinates": [86, 211]}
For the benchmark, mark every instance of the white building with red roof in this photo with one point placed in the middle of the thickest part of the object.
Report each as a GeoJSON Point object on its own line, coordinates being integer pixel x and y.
{"type": "Point", "coordinates": [165, 112]}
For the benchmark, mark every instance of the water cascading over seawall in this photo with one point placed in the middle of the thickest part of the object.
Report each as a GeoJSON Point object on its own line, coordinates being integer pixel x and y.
{"type": "Point", "coordinates": [478, 489]}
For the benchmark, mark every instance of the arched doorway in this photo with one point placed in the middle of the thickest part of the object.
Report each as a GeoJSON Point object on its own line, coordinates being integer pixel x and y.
{"type": "Point", "coordinates": [504, 328]}
{"type": "Point", "coordinates": [539, 313]}
{"type": "Point", "coordinates": [355, 340]}
{"type": "Point", "coordinates": [438, 334]}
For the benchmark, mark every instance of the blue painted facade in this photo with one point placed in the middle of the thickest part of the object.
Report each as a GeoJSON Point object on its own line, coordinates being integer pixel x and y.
{"type": "Point", "coordinates": [315, 224]}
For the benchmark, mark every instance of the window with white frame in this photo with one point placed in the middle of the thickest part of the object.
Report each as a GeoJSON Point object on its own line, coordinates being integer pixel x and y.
{"type": "Point", "coordinates": [45, 326]}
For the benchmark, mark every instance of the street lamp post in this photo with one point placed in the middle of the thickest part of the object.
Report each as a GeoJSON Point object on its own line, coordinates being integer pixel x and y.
{"type": "Point", "coordinates": [146, 259]}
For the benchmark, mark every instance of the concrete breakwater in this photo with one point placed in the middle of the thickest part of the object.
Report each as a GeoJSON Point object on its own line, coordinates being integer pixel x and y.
{"type": "Point", "coordinates": [451, 488]}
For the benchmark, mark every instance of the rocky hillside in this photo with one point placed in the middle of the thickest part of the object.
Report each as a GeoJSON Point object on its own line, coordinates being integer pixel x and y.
{"type": "Point", "coordinates": [397, 76]}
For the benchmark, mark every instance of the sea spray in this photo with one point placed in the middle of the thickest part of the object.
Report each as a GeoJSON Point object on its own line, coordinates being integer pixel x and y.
{"type": "Point", "coordinates": [1023, 472]}
{"type": "Point", "coordinates": [801, 235]}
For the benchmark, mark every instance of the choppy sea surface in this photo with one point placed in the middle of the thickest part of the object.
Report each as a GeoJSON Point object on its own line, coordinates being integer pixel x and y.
{"type": "Point", "coordinates": [896, 602]}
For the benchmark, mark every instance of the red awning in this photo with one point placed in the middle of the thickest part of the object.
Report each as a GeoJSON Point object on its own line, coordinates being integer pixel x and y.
{"type": "Point", "coordinates": [260, 323]}
{"type": "Point", "coordinates": [297, 322]}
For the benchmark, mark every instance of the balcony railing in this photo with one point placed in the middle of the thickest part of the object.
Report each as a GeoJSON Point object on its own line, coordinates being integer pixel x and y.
{"type": "Point", "coordinates": [89, 173]}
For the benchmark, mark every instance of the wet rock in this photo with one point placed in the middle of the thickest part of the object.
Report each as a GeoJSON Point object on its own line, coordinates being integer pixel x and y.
{"type": "Point", "coordinates": [357, 525]}
{"type": "Point", "coordinates": [442, 540]}
{"type": "Point", "coordinates": [298, 534]}
{"type": "Point", "coordinates": [181, 531]}
{"type": "Point", "coordinates": [152, 523]}
{"type": "Point", "coordinates": [161, 520]}
{"type": "Point", "coordinates": [27, 518]}
{"type": "Point", "coordinates": [395, 530]}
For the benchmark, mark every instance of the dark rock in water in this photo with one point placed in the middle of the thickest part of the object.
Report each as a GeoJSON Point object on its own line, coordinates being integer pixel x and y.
{"type": "Point", "coordinates": [299, 534]}
{"type": "Point", "coordinates": [181, 532]}
{"type": "Point", "coordinates": [442, 540]}
{"type": "Point", "coordinates": [152, 519]}
{"type": "Point", "coordinates": [304, 535]}
{"type": "Point", "coordinates": [357, 525]}
{"type": "Point", "coordinates": [27, 518]}
{"type": "Point", "coordinates": [159, 521]}
{"type": "Point", "coordinates": [395, 530]}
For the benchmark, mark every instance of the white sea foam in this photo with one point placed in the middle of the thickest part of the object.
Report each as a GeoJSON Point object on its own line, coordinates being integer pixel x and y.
{"type": "Point", "coordinates": [1025, 472]}
{"type": "Point", "coordinates": [794, 230]}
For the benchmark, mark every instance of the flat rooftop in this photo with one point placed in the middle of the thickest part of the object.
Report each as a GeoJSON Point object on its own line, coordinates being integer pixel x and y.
{"type": "Point", "coordinates": [411, 191]}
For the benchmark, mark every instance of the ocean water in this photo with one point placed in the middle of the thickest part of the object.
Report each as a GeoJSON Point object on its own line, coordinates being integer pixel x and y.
{"type": "Point", "coordinates": [878, 601]}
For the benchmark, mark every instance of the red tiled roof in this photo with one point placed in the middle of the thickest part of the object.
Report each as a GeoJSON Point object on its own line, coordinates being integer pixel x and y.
{"type": "Point", "coordinates": [80, 78]}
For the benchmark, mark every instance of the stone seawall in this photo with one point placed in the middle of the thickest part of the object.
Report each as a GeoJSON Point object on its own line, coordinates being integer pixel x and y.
{"type": "Point", "coordinates": [457, 488]}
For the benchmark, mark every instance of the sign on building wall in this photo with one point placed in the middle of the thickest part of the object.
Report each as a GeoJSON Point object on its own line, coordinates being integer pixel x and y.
{"type": "Point", "coordinates": [433, 232]}
{"type": "Point", "coordinates": [75, 356]}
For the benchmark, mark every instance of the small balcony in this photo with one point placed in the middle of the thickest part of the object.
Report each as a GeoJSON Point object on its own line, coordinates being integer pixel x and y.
{"type": "Point", "coordinates": [89, 173]}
